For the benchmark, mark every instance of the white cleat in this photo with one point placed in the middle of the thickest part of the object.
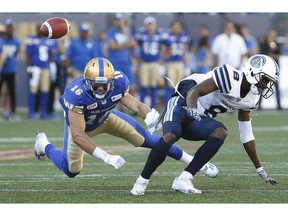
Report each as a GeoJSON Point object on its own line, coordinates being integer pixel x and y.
{"type": "Point", "coordinates": [40, 144]}
{"type": "Point", "coordinates": [139, 186]}
{"type": "Point", "coordinates": [209, 170]}
{"type": "Point", "coordinates": [185, 185]}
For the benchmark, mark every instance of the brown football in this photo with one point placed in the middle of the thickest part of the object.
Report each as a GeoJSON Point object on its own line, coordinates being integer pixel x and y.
{"type": "Point", "coordinates": [55, 27]}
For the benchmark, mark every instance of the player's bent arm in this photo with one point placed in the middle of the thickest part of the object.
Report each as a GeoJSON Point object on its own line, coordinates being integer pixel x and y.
{"type": "Point", "coordinates": [201, 89]}
{"type": "Point", "coordinates": [247, 136]}
{"type": "Point", "coordinates": [135, 105]}
{"type": "Point", "coordinates": [77, 126]}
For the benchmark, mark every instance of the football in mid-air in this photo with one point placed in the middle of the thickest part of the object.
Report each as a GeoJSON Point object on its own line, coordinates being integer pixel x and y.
{"type": "Point", "coordinates": [55, 27]}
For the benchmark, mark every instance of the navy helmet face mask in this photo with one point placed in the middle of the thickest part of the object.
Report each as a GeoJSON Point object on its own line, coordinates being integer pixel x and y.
{"type": "Point", "coordinates": [261, 72]}
{"type": "Point", "coordinates": [268, 90]}
{"type": "Point", "coordinates": [99, 77]}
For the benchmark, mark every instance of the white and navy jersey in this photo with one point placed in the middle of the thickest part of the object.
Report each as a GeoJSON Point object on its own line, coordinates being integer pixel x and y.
{"type": "Point", "coordinates": [227, 97]}
{"type": "Point", "coordinates": [76, 97]}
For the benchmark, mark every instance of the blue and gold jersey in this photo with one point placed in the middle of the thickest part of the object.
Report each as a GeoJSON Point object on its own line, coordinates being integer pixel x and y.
{"type": "Point", "coordinates": [78, 98]}
{"type": "Point", "coordinates": [150, 44]}
{"type": "Point", "coordinates": [40, 50]}
{"type": "Point", "coordinates": [179, 45]}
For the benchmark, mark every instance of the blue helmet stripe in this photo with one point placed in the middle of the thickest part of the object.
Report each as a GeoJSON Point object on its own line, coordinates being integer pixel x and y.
{"type": "Point", "coordinates": [101, 67]}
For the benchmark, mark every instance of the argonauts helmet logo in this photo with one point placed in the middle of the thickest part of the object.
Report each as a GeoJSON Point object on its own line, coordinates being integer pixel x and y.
{"type": "Point", "coordinates": [258, 61]}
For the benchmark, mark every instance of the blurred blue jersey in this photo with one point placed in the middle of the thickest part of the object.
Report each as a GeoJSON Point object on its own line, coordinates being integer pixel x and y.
{"type": "Point", "coordinates": [150, 45]}
{"type": "Point", "coordinates": [119, 37]}
{"type": "Point", "coordinates": [11, 46]}
{"type": "Point", "coordinates": [40, 50]}
{"type": "Point", "coordinates": [80, 52]}
{"type": "Point", "coordinates": [77, 98]}
{"type": "Point", "coordinates": [178, 44]}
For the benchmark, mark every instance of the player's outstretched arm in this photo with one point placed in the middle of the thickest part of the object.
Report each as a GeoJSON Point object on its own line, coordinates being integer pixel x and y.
{"type": "Point", "coordinates": [77, 126]}
{"type": "Point", "coordinates": [248, 140]}
{"type": "Point", "coordinates": [151, 117]}
{"type": "Point", "coordinates": [135, 105]}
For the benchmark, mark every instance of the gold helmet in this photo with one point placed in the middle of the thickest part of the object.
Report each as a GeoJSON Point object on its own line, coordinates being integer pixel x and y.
{"type": "Point", "coordinates": [99, 72]}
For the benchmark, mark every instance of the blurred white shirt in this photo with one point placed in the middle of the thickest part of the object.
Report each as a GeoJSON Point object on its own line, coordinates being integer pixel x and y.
{"type": "Point", "coordinates": [229, 49]}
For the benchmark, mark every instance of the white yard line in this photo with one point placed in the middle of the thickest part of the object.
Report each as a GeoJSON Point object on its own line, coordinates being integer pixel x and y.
{"type": "Point", "coordinates": [115, 190]}
{"type": "Point", "coordinates": [53, 139]}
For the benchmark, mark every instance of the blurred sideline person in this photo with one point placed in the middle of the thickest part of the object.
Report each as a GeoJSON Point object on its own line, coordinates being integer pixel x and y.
{"type": "Point", "coordinates": [11, 48]}
{"type": "Point", "coordinates": [150, 40]}
{"type": "Point", "coordinates": [101, 44]}
{"type": "Point", "coordinates": [203, 32]}
{"type": "Point", "coordinates": [176, 61]}
{"type": "Point", "coordinates": [250, 40]}
{"type": "Point", "coordinates": [121, 45]}
{"type": "Point", "coordinates": [201, 48]}
{"type": "Point", "coordinates": [79, 52]}
{"type": "Point", "coordinates": [229, 47]}
{"type": "Point", "coordinates": [190, 114]}
{"type": "Point", "coordinates": [88, 104]}
{"type": "Point", "coordinates": [38, 58]}
{"type": "Point", "coordinates": [204, 58]}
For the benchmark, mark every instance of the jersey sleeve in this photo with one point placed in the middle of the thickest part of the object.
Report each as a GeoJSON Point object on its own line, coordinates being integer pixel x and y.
{"type": "Point", "coordinates": [122, 82]}
{"type": "Point", "coordinates": [73, 102]}
{"type": "Point", "coordinates": [223, 77]}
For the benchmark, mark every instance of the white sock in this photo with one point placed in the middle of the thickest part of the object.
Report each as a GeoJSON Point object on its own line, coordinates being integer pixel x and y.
{"type": "Point", "coordinates": [185, 175]}
{"type": "Point", "coordinates": [186, 158]}
{"type": "Point", "coordinates": [140, 178]}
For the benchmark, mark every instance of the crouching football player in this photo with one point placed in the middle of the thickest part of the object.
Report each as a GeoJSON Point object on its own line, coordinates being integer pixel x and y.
{"type": "Point", "coordinates": [190, 114]}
